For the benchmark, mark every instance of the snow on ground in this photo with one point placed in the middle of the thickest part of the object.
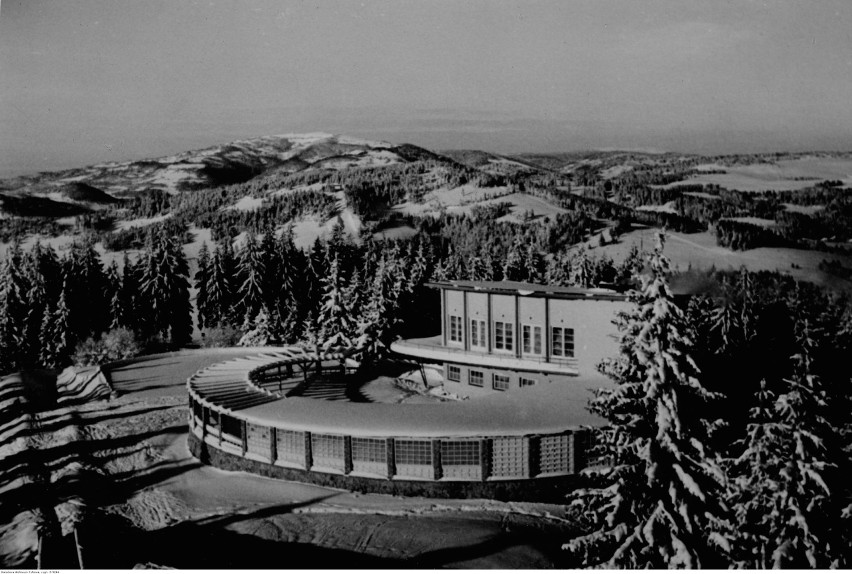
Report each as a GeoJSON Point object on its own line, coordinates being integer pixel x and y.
{"type": "Point", "coordinates": [699, 250]}
{"type": "Point", "coordinates": [348, 140]}
{"type": "Point", "coordinates": [394, 233]}
{"type": "Point", "coordinates": [149, 501]}
{"type": "Point", "coordinates": [360, 159]}
{"type": "Point", "coordinates": [246, 203]}
{"type": "Point", "coordinates": [141, 221]}
{"type": "Point", "coordinates": [805, 209]}
{"type": "Point", "coordinates": [171, 176]}
{"type": "Point", "coordinates": [762, 222]}
{"type": "Point", "coordinates": [785, 174]}
{"type": "Point", "coordinates": [307, 230]}
{"type": "Point", "coordinates": [665, 208]}
{"type": "Point", "coordinates": [177, 494]}
{"type": "Point", "coordinates": [456, 200]}
{"type": "Point", "coordinates": [702, 194]}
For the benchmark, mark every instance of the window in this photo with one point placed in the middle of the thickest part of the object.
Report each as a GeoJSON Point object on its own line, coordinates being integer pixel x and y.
{"type": "Point", "coordinates": [412, 452]}
{"type": "Point", "coordinates": [475, 378]}
{"type": "Point", "coordinates": [500, 382]}
{"type": "Point", "coordinates": [453, 373]}
{"type": "Point", "coordinates": [525, 382]}
{"type": "Point", "coordinates": [369, 449]}
{"type": "Point", "coordinates": [503, 336]}
{"type": "Point", "coordinates": [459, 452]}
{"type": "Point", "coordinates": [455, 329]}
{"type": "Point", "coordinates": [477, 333]}
{"type": "Point", "coordinates": [562, 342]}
{"type": "Point", "coordinates": [532, 339]}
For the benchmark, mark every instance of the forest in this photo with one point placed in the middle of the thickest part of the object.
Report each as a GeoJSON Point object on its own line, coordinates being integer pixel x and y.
{"type": "Point", "coordinates": [729, 437]}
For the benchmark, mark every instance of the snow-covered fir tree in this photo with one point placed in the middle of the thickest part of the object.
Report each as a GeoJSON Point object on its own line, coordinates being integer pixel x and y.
{"type": "Point", "coordinates": [165, 288]}
{"type": "Point", "coordinates": [251, 272]}
{"type": "Point", "coordinates": [336, 324]}
{"type": "Point", "coordinates": [219, 293]}
{"type": "Point", "coordinates": [259, 331]}
{"type": "Point", "coordinates": [781, 492]}
{"type": "Point", "coordinates": [202, 286]}
{"type": "Point", "coordinates": [660, 505]}
{"type": "Point", "coordinates": [56, 335]}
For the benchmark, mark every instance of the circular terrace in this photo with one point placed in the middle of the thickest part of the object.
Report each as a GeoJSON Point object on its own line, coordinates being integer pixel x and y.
{"type": "Point", "coordinates": [260, 413]}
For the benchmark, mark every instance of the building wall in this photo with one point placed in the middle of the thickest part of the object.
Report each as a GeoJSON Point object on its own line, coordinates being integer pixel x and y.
{"type": "Point", "coordinates": [595, 335]}
{"type": "Point", "coordinates": [464, 389]}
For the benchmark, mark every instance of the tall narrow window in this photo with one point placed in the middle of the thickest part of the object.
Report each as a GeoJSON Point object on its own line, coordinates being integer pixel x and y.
{"type": "Point", "coordinates": [503, 336]}
{"type": "Point", "coordinates": [455, 329]}
{"type": "Point", "coordinates": [531, 339]}
{"type": "Point", "coordinates": [477, 334]}
{"type": "Point", "coordinates": [562, 342]}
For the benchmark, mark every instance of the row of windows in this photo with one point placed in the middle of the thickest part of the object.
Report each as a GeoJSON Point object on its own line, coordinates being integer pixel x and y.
{"type": "Point", "coordinates": [561, 338]}
{"type": "Point", "coordinates": [477, 379]}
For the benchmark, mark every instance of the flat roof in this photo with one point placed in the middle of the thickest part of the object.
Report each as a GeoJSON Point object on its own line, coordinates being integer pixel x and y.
{"type": "Point", "coordinates": [530, 289]}
{"type": "Point", "coordinates": [545, 408]}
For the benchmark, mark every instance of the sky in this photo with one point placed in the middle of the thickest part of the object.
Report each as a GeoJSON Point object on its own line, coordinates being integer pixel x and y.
{"type": "Point", "coordinates": [86, 81]}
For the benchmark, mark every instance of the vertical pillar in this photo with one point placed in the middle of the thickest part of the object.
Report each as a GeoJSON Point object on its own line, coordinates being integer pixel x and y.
{"type": "Point", "coordinates": [273, 444]}
{"type": "Point", "coordinates": [219, 420]}
{"type": "Point", "coordinates": [437, 469]}
{"type": "Point", "coordinates": [465, 323]}
{"type": "Point", "coordinates": [485, 458]}
{"type": "Point", "coordinates": [205, 418]}
{"type": "Point", "coordinates": [391, 457]}
{"type": "Point", "coordinates": [545, 338]}
{"type": "Point", "coordinates": [488, 323]}
{"type": "Point", "coordinates": [443, 316]}
{"type": "Point", "coordinates": [572, 452]}
{"type": "Point", "coordinates": [309, 451]}
{"type": "Point", "coordinates": [517, 327]}
{"type": "Point", "coordinates": [244, 428]}
{"type": "Point", "coordinates": [347, 454]}
{"type": "Point", "coordinates": [533, 447]}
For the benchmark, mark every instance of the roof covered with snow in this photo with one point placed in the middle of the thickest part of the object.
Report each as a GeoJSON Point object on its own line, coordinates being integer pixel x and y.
{"type": "Point", "coordinates": [530, 289]}
{"type": "Point", "coordinates": [550, 408]}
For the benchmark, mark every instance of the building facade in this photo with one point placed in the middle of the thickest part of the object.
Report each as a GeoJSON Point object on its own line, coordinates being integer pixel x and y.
{"type": "Point", "coordinates": [505, 336]}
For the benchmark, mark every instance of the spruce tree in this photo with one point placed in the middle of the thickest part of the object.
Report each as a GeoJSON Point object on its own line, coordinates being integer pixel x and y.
{"type": "Point", "coordinates": [13, 310]}
{"type": "Point", "coordinates": [660, 503]}
{"type": "Point", "coordinates": [165, 288]}
{"type": "Point", "coordinates": [514, 269]}
{"type": "Point", "coordinates": [202, 286]}
{"type": "Point", "coordinates": [336, 326]}
{"type": "Point", "coordinates": [131, 298]}
{"type": "Point", "coordinates": [251, 271]}
{"type": "Point", "coordinates": [259, 331]}
{"type": "Point", "coordinates": [56, 335]}
{"type": "Point", "coordinates": [86, 291]}
{"type": "Point", "coordinates": [781, 493]}
{"type": "Point", "coordinates": [219, 296]}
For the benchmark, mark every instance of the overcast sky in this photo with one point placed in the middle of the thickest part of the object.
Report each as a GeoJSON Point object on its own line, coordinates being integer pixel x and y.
{"type": "Point", "coordinates": [83, 81]}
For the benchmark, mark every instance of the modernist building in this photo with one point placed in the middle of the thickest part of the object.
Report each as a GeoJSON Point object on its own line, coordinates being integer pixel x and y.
{"type": "Point", "coordinates": [503, 335]}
